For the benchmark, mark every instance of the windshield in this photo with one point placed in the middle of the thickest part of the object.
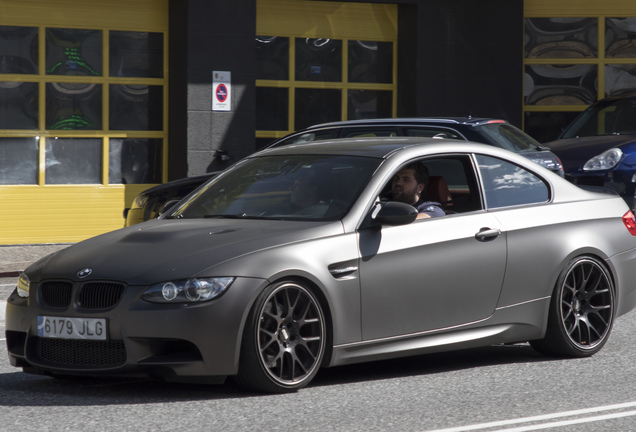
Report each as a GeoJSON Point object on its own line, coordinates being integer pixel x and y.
{"type": "Point", "coordinates": [614, 117]}
{"type": "Point", "coordinates": [298, 187]}
{"type": "Point", "coordinates": [509, 137]}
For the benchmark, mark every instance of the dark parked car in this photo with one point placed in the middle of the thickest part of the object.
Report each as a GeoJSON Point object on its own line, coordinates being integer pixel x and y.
{"type": "Point", "coordinates": [149, 203]}
{"type": "Point", "coordinates": [292, 260]}
{"type": "Point", "coordinates": [498, 133]}
{"type": "Point", "coordinates": [599, 147]}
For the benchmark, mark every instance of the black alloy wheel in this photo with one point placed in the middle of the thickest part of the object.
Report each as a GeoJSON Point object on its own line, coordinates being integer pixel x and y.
{"type": "Point", "coordinates": [284, 341]}
{"type": "Point", "coordinates": [581, 310]}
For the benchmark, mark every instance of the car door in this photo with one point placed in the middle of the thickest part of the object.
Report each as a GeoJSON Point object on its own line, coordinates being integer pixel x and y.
{"type": "Point", "coordinates": [433, 273]}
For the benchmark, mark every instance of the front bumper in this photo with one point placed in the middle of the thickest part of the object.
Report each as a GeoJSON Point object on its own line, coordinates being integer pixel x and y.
{"type": "Point", "coordinates": [180, 342]}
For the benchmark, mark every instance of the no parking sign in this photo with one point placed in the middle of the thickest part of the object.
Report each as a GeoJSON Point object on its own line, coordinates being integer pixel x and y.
{"type": "Point", "coordinates": [221, 91]}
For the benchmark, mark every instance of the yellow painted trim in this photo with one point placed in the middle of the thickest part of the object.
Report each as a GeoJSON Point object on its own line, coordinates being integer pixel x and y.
{"type": "Point", "coordinates": [140, 15]}
{"type": "Point", "coordinates": [579, 8]}
{"type": "Point", "coordinates": [42, 161]}
{"type": "Point", "coordinates": [301, 18]}
{"type": "Point", "coordinates": [105, 159]}
{"type": "Point", "coordinates": [395, 77]}
{"type": "Point", "coordinates": [166, 117]}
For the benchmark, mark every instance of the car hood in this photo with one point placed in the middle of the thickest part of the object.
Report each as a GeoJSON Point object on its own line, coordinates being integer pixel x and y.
{"type": "Point", "coordinates": [163, 250]}
{"type": "Point", "coordinates": [575, 152]}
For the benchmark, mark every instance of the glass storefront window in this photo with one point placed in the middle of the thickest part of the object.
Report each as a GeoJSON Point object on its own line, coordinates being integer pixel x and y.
{"type": "Point", "coordinates": [325, 70]}
{"type": "Point", "coordinates": [619, 78]}
{"type": "Point", "coordinates": [620, 37]}
{"type": "Point", "coordinates": [18, 50]}
{"type": "Point", "coordinates": [73, 106]}
{"type": "Point", "coordinates": [73, 52]}
{"type": "Point", "coordinates": [73, 161]}
{"type": "Point", "coordinates": [272, 106]}
{"type": "Point", "coordinates": [136, 107]}
{"type": "Point", "coordinates": [60, 80]}
{"type": "Point", "coordinates": [368, 104]}
{"type": "Point", "coordinates": [318, 59]}
{"type": "Point", "coordinates": [18, 105]}
{"type": "Point", "coordinates": [561, 37]}
{"type": "Point", "coordinates": [136, 54]}
{"type": "Point", "coordinates": [370, 62]}
{"type": "Point", "coordinates": [560, 84]}
{"type": "Point", "coordinates": [135, 161]}
{"type": "Point", "coordinates": [18, 161]}
{"type": "Point", "coordinates": [272, 58]}
{"type": "Point", "coordinates": [317, 106]}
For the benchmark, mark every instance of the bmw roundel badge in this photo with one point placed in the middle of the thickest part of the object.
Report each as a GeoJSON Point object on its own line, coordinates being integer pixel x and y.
{"type": "Point", "coordinates": [84, 272]}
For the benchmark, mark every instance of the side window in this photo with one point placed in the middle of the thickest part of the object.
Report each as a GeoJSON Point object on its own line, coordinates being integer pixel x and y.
{"type": "Point", "coordinates": [506, 184]}
{"type": "Point", "coordinates": [431, 132]}
{"type": "Point", "coordinates": [452, 182]}
{"type": "Point", "coordinates": [307, 137]}
{"type": "Point", "coordinates": [366, 132]}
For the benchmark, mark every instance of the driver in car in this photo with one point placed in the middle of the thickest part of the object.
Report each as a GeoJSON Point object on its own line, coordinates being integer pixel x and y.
{"type": "Point", "coordinates": [407, 187]}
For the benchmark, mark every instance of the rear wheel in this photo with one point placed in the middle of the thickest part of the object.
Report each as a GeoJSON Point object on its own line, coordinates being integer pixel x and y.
{"type": "Point", "coordinates": [581, 311]}
{"type": "Point", "coordinates": [284, 341]}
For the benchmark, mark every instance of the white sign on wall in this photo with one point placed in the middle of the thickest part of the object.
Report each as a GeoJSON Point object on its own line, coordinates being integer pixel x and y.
{"type": "Point", "coordinates": [221, 91]}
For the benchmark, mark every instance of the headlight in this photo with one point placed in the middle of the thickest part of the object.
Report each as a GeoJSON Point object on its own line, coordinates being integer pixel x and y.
{"type": "Point", "coordinates": [187, 291]}
{"type": "Point", "coordinates": [140, 201]}
{"type": "Point", "coordinates": [606, 160]}
{"type": "Point", "coordinates": [23, 285]}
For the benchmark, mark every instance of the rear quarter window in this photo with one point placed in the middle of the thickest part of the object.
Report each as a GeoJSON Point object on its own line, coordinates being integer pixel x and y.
{"type": "Point", "coordinates": [307, 137]}
{"type": "Point", "coordinates": [507, 184]}
{"type": "Point", "coordinates": [432, 132]}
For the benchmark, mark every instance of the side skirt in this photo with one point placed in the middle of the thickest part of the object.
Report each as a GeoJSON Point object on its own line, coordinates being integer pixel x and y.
{"type": "Point", "coordinates": [511, 324]}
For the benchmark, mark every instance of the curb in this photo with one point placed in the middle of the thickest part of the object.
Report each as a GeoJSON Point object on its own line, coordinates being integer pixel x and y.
{"type": "Point", "coordinates": [10, 274]}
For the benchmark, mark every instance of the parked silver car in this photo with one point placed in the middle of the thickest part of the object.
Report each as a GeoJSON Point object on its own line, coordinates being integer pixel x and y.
{"type": "Point", "coordinates": [244, 279]}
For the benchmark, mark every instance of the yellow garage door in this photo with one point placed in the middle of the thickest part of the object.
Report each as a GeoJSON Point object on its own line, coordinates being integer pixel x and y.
{"type": "Point", "coordinates": [83, 119]}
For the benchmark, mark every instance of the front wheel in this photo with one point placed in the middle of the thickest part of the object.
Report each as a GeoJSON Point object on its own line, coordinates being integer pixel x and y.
{"type": "Point", "coordinates": [284, 340]}
{"type": "Point", "coordinates": [581, 311]}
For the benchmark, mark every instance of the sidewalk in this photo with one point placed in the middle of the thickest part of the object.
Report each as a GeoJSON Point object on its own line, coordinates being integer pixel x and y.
{"type": "Point", "coordinates": [14, 259]}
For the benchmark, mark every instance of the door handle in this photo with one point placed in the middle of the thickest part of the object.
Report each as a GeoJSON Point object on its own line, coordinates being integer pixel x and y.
{"type": "Point", "coordinates": [487, 234]}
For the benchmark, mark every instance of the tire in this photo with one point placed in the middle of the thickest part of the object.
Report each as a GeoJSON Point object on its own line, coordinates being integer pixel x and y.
{"type": "Point", "coordinates": [582, 311]}
{"type": "Point", "coordinates": [284, 340]}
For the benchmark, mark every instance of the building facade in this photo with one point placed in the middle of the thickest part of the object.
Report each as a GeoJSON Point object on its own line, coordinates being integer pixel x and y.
{"type": "Point", "coordinates": [101, 100]}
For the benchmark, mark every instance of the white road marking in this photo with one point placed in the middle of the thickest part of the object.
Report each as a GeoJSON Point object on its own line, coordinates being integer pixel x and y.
{"type": "Point", "coordinates": [581, 412]}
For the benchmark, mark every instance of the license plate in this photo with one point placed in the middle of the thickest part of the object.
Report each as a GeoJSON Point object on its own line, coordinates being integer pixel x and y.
{"type": "Point", "coordinates": [72, 328]}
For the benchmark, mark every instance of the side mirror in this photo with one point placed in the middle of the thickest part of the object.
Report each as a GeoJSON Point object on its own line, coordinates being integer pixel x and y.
{"type": "Point", "coordinates": [391, 213]}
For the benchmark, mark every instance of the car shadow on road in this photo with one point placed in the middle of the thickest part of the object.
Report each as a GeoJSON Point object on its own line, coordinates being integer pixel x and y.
{"type": "Point", "coordinates": [46, 391]}
{"type": "Point", "coordinates": [430, 364]}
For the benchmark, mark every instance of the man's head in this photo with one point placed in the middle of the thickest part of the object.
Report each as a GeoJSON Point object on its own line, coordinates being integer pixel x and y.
{"type": "Point", "coordinates": [409, 183]}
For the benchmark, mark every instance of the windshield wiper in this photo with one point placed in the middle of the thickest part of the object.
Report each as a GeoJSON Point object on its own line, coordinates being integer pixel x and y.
{"type": "Point", "coordinates": [234, 216]}
{"type": "Point", "coordinates": [223, 216]}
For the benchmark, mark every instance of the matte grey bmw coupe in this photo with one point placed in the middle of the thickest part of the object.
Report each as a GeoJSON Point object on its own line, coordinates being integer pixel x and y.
{"type": "Point", "coordinates": [297, 258]}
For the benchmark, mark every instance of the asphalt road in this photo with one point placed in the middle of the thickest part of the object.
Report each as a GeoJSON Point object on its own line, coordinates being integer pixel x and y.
{"type": "Point", "coordinates": [497, 388]}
